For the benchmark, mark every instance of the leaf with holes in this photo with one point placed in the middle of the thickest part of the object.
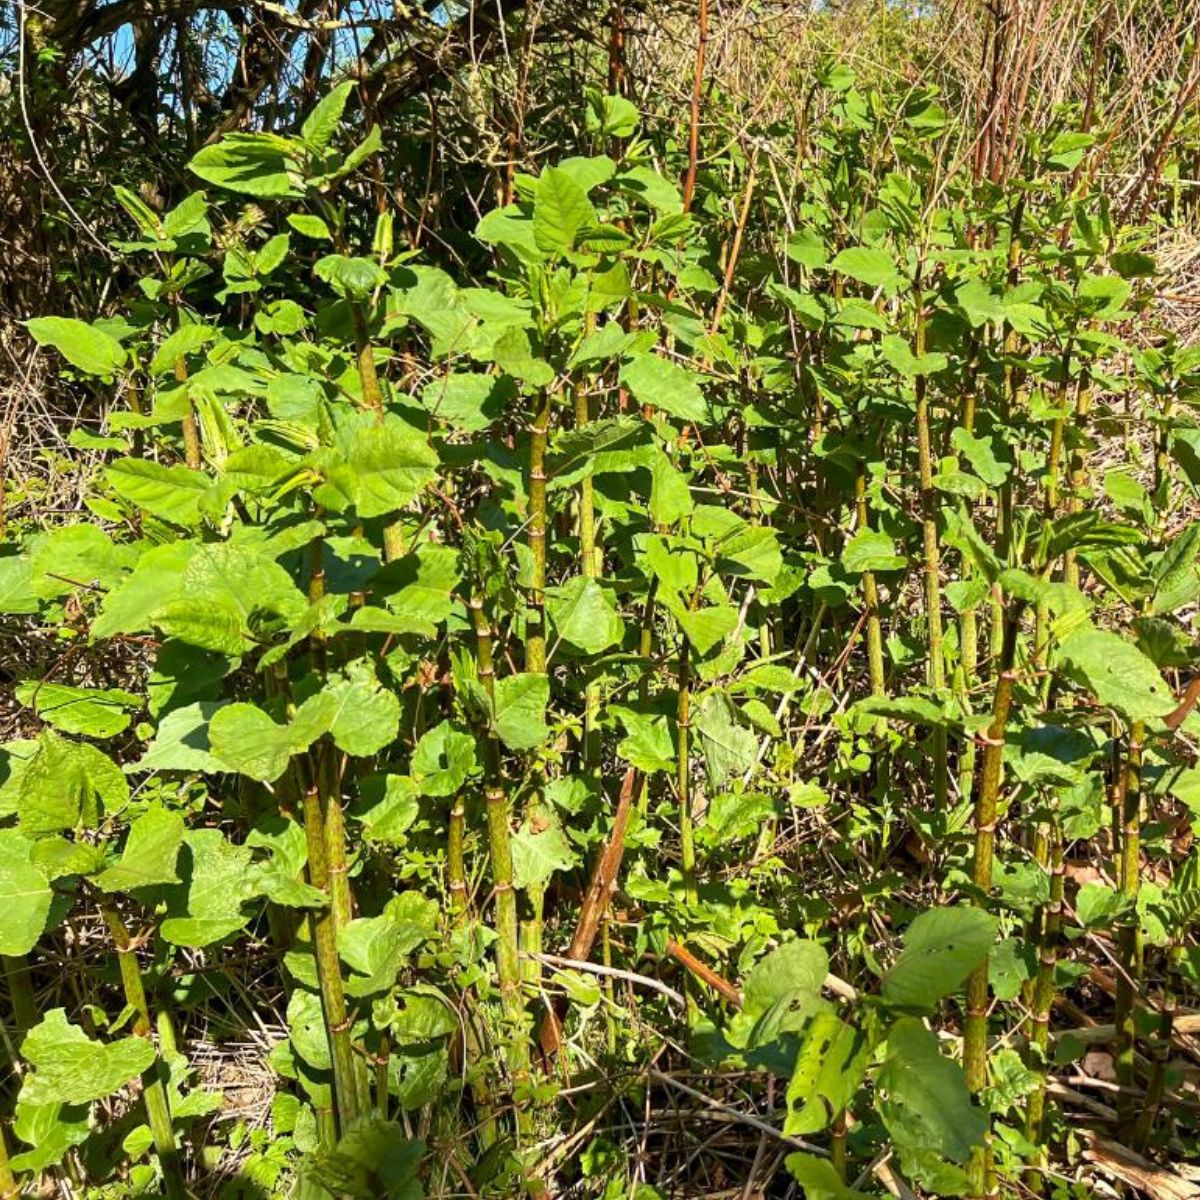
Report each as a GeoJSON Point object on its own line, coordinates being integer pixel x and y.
{"type": "Point", "coordinates": [941, 948]}
{"type": "Point", "coordinates": [830, 1065]}
{"type": "Point", "coordinates": [1117, 673]}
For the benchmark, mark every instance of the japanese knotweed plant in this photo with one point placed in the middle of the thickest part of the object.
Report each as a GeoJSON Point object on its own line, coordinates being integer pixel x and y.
{"type": "Point", "coordinates": [448, 598]}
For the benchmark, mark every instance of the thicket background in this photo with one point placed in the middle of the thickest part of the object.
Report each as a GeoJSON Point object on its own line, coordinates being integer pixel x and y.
{"type": "Point", "coordinates": [925, 484]}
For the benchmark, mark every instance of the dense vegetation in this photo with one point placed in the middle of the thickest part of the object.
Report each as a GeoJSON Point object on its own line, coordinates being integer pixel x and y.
{"type": "Point", "coordinates": [641, 653]}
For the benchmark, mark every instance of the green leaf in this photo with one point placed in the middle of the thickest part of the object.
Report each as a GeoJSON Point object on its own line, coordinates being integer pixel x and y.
{"type": "Point", "coordinates": [674, 566]}
{"type": "Point", "coordinates": [561, 211]}
{"type": "Point", "coordinates": [155, 578]}
{"type": "Point", "coordinates": [227, 598]}
{"type": "Point", "coordinates": [519, 711]}
{"type": "Point", "coordinates": [71, 1068]}
{"type": "Point", "coordinates": [71, 557]}
{"type": "Point", "coordinates": [181, 741]}
{"type": "Point", "coordinates": [1059, 598]}
{"type": "Point", "coordinates": [610, 116]}
{"type": "Point", "coordinates": [246, 740]}
{"type": "Point", "coordinates": [67, 785]}
{"type": "Point", "coordinates": [869, 550]}
{"type": "Point", "coordinates": [443, 760]}
{"type": "Point", "coordinates": [648, 744]}
{"type": "Point", "coordinates": [511, 228]}
{"type": "Point", "coordinates": [914, 709]}
{"type": "Point", "coordinates": [1104, 295]}
{"type": "Point", "coordinates": [792, 969]}
{"type": "Point", "coordinates": [1134, 264]}
{"type": "Point", "coordinates": [924, 1099]}
{"type": "Point", "coordinates": [583, 615]}
{"type": "Point", "coordinates": [729, 747]}
{"type": "Point", "coordinates": [981, 453]}
{"type": "Point", "coordinates": [25, 895]}
{"type": "Point", "coordinates": [280, 878]}
{"type": "Point", "coordinates": [270, 256]}
{"type": "Point", "coordinates": [830, 1064]}
{"type": "Point", "coordinates": [655, 381]}
{"type": "Point", "coordinates": [252, 164]}
{"type": "Point", "coordinates": [16, 585]}
{"type": "Point", "coordinates": [59, 857]}
{"type": "Point", "coordinates": [648, 186]}
{"type": "Point", "coordinates": [807, 247]}
{"type": "Point", "coordinates": [306, 1029]}
{"type": "Point", "coordinates": [1176, 578]}
{"type": "Point", "coordinates": [819, 1179]}
{"type": "Point", "coordinates": [590, 449]}
{"type": "Point", "coordinates": [354, 278]}
{"type": "Point", "coordinates": [51, 1130]}
{"type": "Point", "coordinates": [537, 854]}
{"type": "Point", "coordinates": [897, 352]}
{"type": "Point", "coordinates": [1098, 905]}
{"type": "Point", "coordinates": [1117, 673]}
{"type": "Point", "coordinates": [371, 144]}
{"type": "Point", "coordinates": [309, 226]}
{"type": "Point", "coordinates": [980, 305]}
{"type": "Point", "coordinates": [471, 401]}
{"type": "Point", "coordinates": [941, 948]}
{"type": "Point", "coordinates": [93, 712]}
{"type": "Point", "coordinates": [378, 948]}
{"type": "Point", "coordinates": [367, 716]}
{"type": "Point", "coordinates": [85, 347]}
{"type": "Point", "coordinates": [705, 627]}
{"type": "Point", "coordinates": [751, 552]}
{"type": "Point", "coordinates": [871, 266]}
{"type": "Point", "coordinates": [218, 880]}
{"type": "Point", "coordinates": [589, 171]}
{"type": "Point", "coordinates": [149, 854]}
{"type": "Point", "coordinates": [206, 623]}
{"type": "Point", "coordinates": [417, 589]}
{"type": "Point", "coordinates": [172, 493]}
{"type": "Point", "coordinates": [670, 494]}
{"type": "Point", "coordinates": [373, 1160]}
{"type": "Point", "coordinates": [379, 466]}
{"type": "Point", "coordinates": [187, 339]}
{"type": "Point", "coordinates": [322, 123]}
{"type": "Point", "coordinates": [515, 354]}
